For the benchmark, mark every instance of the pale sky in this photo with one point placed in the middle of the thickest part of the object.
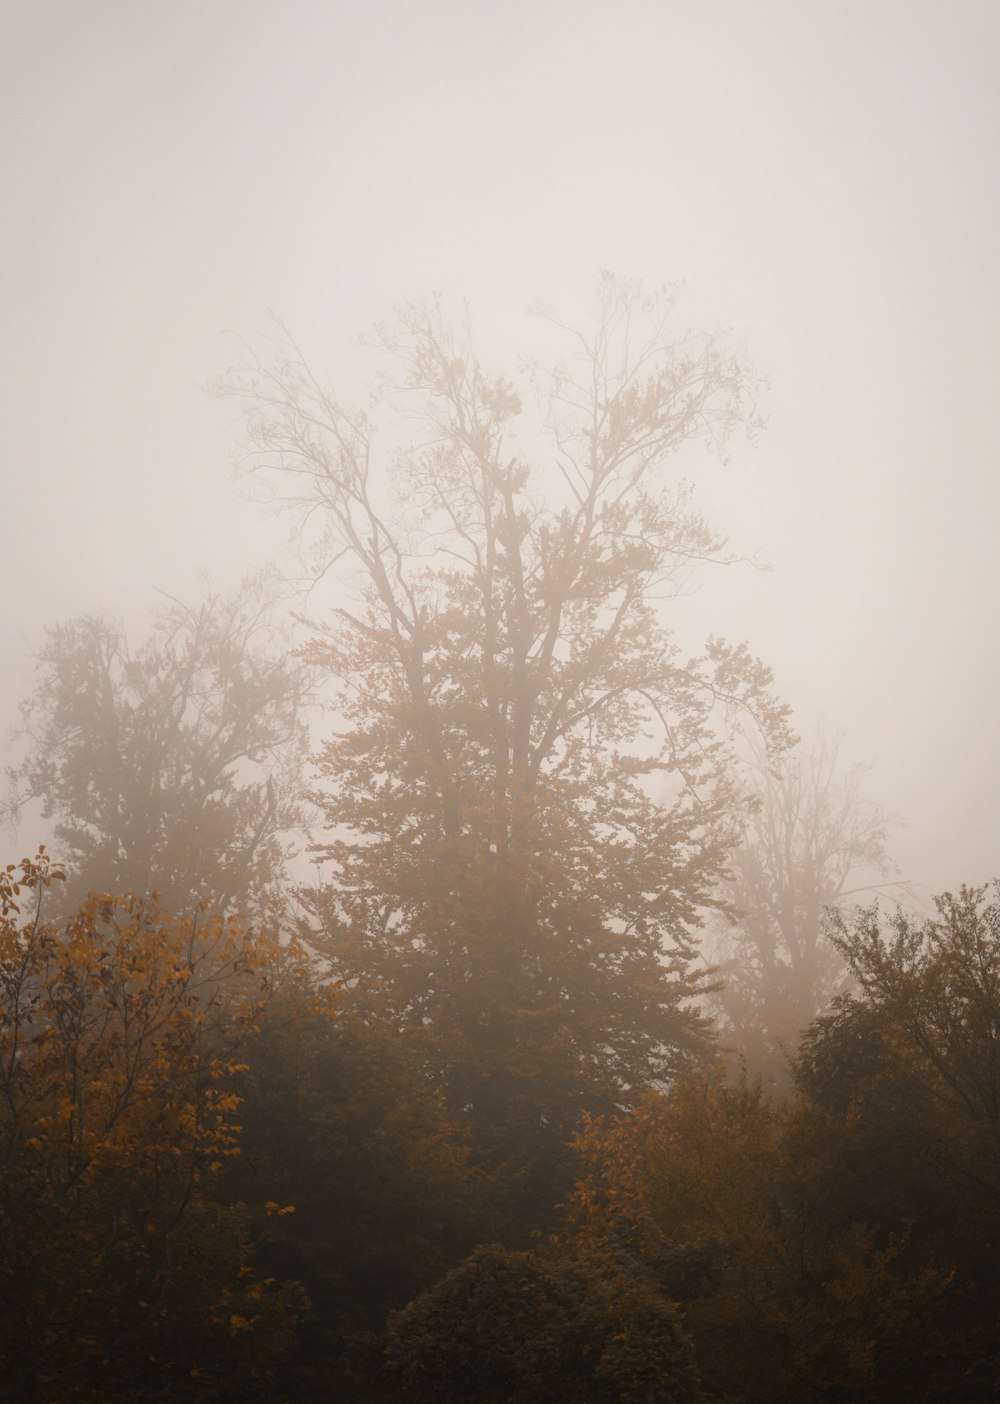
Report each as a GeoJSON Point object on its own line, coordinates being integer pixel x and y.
{"type": "Point", "coordinates": [823, 177]}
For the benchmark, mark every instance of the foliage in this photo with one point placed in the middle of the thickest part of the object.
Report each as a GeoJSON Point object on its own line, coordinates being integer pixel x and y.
{"type": "Point", "coordinates": [938, 982]}
{"type": "Point", "coordinates": [907, 1074]}
{"type": "Point", "coordinates": [687, 1184]}
{"type": "Point", "coordinates": [123, 1038]}
{"type": "Point", "coordinates": [710, 1187]}
{"type": "Point", "coordinates": [173, 767]}
{"type": "Point", "coordinates": [340, 1123]}
{"type": "Point", "coordinates": [529, 799]}
{"type": "Point", "coordinates": [901, 1092]}
{"type": "Point", "coordinates": [844, 1245]}
{"type": "Point", "coordinates": [533, 1328]}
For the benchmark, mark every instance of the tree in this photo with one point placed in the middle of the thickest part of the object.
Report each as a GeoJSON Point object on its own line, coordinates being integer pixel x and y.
{"type": "Point", "coordinates": [689, 1184]}
{"type": "Point", "coordinates": [809, 844]}
{"type": "Point", "coordinates": [933, 989]}
{"type": "Point", "coordinates": [123, 1037]}
{"type": "Point", "coordinates": [173, 767]}
{"type": "Point", "coordinates": [724, 1198]}
{"type": "Point", "coordinates": [900, 1119]}
{"type": "Point", "coordinates": [529, 797]}
{"type": "Point", "coordinates": [526, 1328]}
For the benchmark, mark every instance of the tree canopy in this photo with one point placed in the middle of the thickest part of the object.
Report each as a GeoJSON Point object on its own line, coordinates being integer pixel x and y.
{"type": "Point", "coordinates": [123, 1040]}
{"type": "Point", "coordinates": [172, 766]}
{"type": "Point", "coordinates": [529, 794]}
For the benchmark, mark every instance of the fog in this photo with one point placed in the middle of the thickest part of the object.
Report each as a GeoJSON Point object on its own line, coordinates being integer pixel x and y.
{"type": "Point", "coordinates": [823, 179]}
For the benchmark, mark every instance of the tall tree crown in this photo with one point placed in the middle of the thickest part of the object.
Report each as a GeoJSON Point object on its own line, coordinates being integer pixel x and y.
{"type": "Point", "coordinates": [529, 794]}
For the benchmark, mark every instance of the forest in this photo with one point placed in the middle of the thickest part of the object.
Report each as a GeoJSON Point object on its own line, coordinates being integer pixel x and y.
{"type": "Point", "coordinates": [440, 984]}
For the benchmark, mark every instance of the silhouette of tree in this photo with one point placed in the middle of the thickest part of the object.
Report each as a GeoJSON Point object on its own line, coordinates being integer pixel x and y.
{"type": "Point", "coordinates": [504, 889]}
{"type": "Point", "coordinates": [174, 766]}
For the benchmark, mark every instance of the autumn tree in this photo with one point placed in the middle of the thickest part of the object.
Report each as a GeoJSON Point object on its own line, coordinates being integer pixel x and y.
{"type": "Point", "coordinates": [528, 794]}
{"type": "Point", "coordinates": [123, 1039]}
{"type": "Point", "coordinates": [900, 1094]}
{"type": "Point", "coordinates": [724, 1197]}
{"type": "Point", "coordinates": [812, 841]}
{"type": "Point", "coordinates": [939, 981]}
{"type": "Point", "coordinates": [924, 1026]}
{"type": "Point", "coordinates": [172, 766]}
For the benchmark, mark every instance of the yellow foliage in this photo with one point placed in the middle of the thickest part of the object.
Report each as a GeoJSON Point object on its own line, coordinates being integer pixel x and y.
{"type": "Point", "coordinates": [122, 1042]}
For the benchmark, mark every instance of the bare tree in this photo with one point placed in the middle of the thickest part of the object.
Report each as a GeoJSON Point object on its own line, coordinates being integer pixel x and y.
{"type": "Point", "coordinates": [812, 842]}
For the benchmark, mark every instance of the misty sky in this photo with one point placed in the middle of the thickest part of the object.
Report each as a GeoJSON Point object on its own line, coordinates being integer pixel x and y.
{"type": "Point", "coordinates": [824, 177]}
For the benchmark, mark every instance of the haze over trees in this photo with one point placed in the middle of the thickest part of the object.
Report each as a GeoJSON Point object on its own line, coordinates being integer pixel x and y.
{"type": "Point", "coordinates": [470, 1136]}
{"type": "Point", "coordinates": [531, 789]}
{"type": "Point", "coordinates": [174, 766]}
{"type": "Point", "coordinates": [812, 842]}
